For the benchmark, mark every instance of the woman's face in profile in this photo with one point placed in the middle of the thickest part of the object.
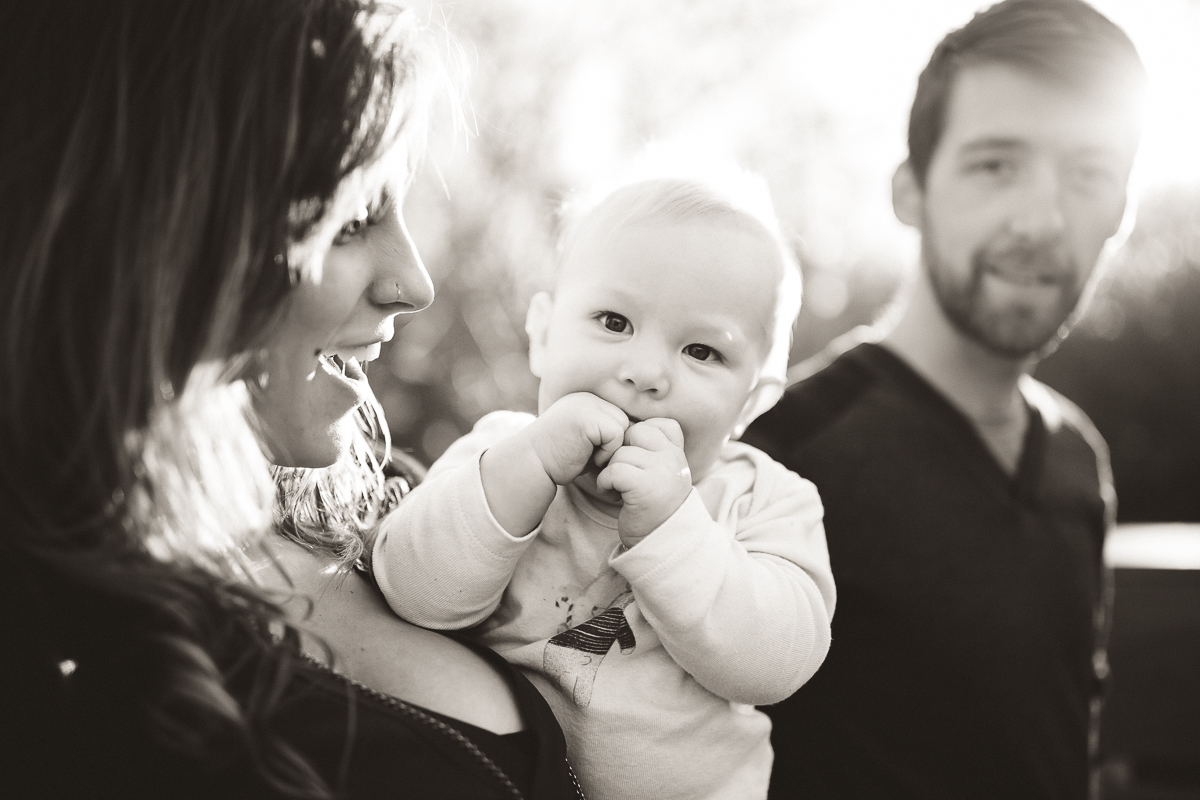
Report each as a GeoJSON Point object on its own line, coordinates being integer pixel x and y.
{"type": "Point", "coordinates": [333, 326]}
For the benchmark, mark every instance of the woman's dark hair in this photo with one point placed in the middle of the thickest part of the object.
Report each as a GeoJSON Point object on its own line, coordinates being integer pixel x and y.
{"type": "Point", "coordinates": [159, 163]}
{"type": "Point", "coordinates": [1065, 42]}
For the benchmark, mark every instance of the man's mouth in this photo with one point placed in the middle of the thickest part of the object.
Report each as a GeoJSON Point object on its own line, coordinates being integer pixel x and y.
{"type": "Point", "coordinates": [1026, 267]}
{"type": "Point", "coordinates": [1022, 278]}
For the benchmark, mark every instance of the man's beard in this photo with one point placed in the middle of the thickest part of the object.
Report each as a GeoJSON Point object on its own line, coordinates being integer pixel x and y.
{"type": "Point", "coordinates": [1011, 329]}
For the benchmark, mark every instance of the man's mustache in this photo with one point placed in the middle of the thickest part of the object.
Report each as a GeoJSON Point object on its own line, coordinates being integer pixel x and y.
{"type": "Point", "coordinates": [1046, 261]}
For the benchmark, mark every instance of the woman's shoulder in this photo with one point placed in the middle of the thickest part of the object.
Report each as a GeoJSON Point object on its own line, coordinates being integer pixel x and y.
{"type": "Point", "coordinates": [78, 669]}
{"type": "Point", "coordinates": [401, 743]}
{"type": "Point", "coordinates": [70, 714]}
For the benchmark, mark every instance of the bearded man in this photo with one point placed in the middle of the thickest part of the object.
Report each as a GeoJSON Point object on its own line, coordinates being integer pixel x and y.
{"type": "Point", "coordinates": [966, 503]}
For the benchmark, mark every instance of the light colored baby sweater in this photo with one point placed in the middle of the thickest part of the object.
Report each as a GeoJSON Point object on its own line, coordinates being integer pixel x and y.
{"type": "Point", "coordinates": [653, 657]}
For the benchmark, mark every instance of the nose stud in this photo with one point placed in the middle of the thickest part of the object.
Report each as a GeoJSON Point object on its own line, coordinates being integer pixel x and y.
{"type": "Point", "coordinates": [399, 293]}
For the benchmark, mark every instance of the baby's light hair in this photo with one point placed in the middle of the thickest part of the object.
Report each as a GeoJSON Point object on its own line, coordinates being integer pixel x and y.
{"type": "Point", "coordinates": [720, 193]}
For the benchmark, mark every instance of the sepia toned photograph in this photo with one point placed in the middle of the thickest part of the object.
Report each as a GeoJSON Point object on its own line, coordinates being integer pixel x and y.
{"type": "Point", "coordinates": [626, 400]}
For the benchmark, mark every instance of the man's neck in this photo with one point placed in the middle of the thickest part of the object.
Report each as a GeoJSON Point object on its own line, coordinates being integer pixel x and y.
{"type": "Point", "coordinates": [980, 383]}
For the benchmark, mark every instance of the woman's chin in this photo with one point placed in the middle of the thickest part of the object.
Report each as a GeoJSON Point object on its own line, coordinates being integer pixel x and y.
{"type": "Point", "coordinates": [319, 448]}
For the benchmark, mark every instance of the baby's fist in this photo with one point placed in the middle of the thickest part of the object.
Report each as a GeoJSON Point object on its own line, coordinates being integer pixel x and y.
{"type": "Point", "coordinates": [652, 475]}
{"type": "Point", "coordinates": [567, 434]}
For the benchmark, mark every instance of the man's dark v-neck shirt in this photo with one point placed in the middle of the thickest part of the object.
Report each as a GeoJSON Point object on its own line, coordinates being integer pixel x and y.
{"type": "Point", "coordinates": [963, 644]}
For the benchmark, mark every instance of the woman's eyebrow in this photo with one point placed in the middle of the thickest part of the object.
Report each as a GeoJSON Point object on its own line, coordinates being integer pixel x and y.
{"type": "Point", "coordinates": [384, 200]}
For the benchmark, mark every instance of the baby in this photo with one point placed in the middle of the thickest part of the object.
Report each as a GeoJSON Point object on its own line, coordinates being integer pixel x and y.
{"type": "Point", "coordinates": [654, 579]}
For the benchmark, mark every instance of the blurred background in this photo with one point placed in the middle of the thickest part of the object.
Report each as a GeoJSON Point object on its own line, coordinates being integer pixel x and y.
{"type": "Point", "coordinates": [814, 95]}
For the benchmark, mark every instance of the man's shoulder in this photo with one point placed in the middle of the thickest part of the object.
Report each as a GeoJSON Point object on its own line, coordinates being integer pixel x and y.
{"type": "Point", "coordinates": [820, 391]}
{"type": "Point", "coordinates": [1076, 446]}
{"type": "Point", "coordinates": [1061, 417]}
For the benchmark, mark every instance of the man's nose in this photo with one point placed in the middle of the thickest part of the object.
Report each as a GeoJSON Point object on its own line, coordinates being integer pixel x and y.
{"type": "Point", "coordinates": [1037, 212]}
{"type": "Point", "coordinates": [402, 282]}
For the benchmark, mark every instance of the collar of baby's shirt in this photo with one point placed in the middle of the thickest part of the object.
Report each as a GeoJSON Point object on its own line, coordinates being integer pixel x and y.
{"type": "Point", "coordinates": [589, 508]}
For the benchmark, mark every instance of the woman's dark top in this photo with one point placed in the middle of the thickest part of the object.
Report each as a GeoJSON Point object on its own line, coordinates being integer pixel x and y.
{"type": "Point", "coordinates": [72, 722]}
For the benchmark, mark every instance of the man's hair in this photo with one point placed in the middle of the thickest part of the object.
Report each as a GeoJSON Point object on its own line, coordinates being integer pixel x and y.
{"type": "Point", "coordinates": [1065, 42]}
{"type": "Point", "coordinates": [718, 195]}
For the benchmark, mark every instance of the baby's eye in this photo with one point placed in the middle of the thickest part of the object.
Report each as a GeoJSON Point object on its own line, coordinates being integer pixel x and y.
{"type": "Point", "coordinates": [615, 322]}
{"type": "Point", "coordinates": [702, 352]}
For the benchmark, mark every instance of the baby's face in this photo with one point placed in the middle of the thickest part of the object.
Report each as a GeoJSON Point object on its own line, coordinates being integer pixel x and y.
{"type": "Point", "coordinates": [663, 320]}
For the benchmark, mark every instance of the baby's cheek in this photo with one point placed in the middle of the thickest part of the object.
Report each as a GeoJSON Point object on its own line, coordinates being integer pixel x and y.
{"type": "Point", "coordinates": [701, 451]}
{"type": "Point", "coordinates": [703, 437]}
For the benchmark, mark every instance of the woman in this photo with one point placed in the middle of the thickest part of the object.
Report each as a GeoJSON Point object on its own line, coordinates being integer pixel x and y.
{"type": "Point", "coordinates": [199, 197]}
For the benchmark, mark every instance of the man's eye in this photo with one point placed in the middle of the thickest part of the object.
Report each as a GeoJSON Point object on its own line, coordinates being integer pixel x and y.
{"type": "Point", "coordinates": [615, 322]}
{"type": "Point", "coordinates": [1090, 177]}
{"type": "Point", "coordinates": [994, 166]}
{"type": "Point", "coordinates": [702, 352]}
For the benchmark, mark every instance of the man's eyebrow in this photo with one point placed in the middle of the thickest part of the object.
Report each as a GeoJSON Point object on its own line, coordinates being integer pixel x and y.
{"type": "Point", "coordinates": [1098, 151]}
{"type": "Point", "coordinates": [994, 143]}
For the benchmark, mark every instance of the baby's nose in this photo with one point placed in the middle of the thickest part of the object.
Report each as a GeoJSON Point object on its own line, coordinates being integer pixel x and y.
{"type": "Point", "coordinates": [646, 375]}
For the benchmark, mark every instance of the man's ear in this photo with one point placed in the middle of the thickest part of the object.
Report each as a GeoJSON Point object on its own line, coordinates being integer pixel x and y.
{"type": "Point", "coordinates": [908, 199]}
{"type": "Point", "coordinates": [762, 397]}
{"type": "Point", "coordinates": [537, 324]}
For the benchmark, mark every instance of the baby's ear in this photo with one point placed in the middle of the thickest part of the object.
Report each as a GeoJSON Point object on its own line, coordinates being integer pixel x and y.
{"type": "Point", "coordinates": [537, 324]}
{"type": "Point", "coordinates": [762, 397]}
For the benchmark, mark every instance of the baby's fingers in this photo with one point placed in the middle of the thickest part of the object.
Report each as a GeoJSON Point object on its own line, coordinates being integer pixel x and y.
{"type": "Point", "coordinates": [657, 433]}
{"type": "Point", "coordinates": [609, 436]}
{"type": "Point", "coordinates": [619, 476]}
{"type": "Point", "coordinates": [608, 445]}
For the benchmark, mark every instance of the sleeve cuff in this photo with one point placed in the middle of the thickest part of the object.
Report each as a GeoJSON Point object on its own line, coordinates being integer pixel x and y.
{"type": "Point", "coordinates": [679, 538]}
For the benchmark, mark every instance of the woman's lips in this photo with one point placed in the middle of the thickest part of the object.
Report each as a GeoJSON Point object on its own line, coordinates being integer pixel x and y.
{"type": "Point", "coordinates": [346, 362]}
{"type": "Point", "coordinates": [353, 371]}
{"type": "Point", "coordinates": [347, 374]}
{"type": "Point", "coordinates": [361, 353]}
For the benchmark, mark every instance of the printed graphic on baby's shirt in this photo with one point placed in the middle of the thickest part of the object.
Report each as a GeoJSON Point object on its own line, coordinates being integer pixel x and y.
{"type": "Point", "coordinates": [573, 657]}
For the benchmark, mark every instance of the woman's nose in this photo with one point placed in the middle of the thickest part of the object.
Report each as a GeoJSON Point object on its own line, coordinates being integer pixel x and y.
{"type": "Point", "coordinates": [401, 283]}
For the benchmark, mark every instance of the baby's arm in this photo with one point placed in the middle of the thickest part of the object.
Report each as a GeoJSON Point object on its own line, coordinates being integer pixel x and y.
{"type": "Point", "coordinates": [444, 556]}
{"type": "Point", "coordinates": [747, 616]}
{"type": "Point", "coordinates": [522, 472]}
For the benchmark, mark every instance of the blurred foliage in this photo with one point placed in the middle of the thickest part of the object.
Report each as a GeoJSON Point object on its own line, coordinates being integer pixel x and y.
{"type": "Point", "coordinates": [561, 93]}
{"type": "Point", "coordinates": [1134, 362]}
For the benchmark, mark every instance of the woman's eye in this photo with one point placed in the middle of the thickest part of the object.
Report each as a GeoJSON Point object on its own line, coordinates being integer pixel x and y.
{"type": "Point", "coordinates": [615, 322]}
{"type": "Point", "coordinates": [354, 227]}
{"type": "Point", "coordinates": [702, 352]}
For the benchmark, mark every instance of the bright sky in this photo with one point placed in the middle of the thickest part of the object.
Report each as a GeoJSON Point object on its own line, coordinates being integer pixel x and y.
{"type": "Point", "coordinates": [872, 68]}
{"type": "Point", "coordinates": [862, 57]}
{"type": "Point", "coordinates": [855, 63]}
